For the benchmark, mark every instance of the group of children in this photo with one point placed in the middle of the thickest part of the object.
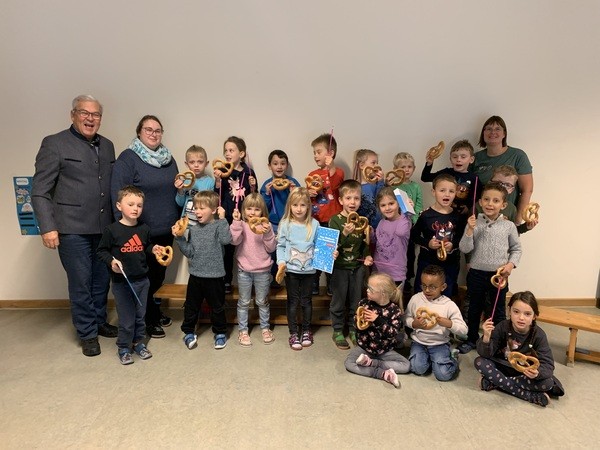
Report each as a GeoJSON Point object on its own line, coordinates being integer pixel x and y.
{"type": "Point", "coordinates": [270, 232]}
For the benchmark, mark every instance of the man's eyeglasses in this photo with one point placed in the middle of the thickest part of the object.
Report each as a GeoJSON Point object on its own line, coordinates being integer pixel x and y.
{"type": "Point", "coordinates": [85, 114]}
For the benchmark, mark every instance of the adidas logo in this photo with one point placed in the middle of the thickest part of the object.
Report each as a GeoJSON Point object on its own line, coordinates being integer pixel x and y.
{"type": "Point", "coordinates": [133, 245]}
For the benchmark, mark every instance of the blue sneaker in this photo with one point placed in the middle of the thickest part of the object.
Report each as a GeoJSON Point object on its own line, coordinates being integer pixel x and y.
{"type": "Point", "coordinates": [142, 351]}
{"type": "Point", "coordinates": [190, 340]}
{"type": "Point", "coordinates": [220, 341]}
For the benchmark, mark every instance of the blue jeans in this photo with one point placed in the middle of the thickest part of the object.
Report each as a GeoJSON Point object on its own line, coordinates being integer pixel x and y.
{"type": "Point", "coordinates": [88, 280]}
{"type": "Point", "coordinates": [262, 281]}
{"type": "Point", "coordinates": [132, 327]}
{"type": "Point", "coordinates": [436, 357]}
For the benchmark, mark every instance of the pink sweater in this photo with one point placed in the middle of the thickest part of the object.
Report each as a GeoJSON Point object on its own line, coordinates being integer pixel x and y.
{"type": "Point", "coordinates": [253, 250]}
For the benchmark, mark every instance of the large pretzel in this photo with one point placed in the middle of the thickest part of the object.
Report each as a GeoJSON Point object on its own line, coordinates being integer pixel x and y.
{"type": "Point", "coordinates": [166, 256]}
{"type": "Point", "coordinates": [430, 318]}
{"type": "Point", "coordinates": [394, 177]}
{"type": "Point", "coordinates": [498, 280]}
{"type": "Point", "coordinates": [280, 273]}
{"type": "Point", "coordinates": [188, 179]}
{"type": "Point", "coordinates": [530, 213]}
{"type": "Point", "coordinates": [314, 182]}
{"type": "Point", "coordinates": [281, 184]}
{"type": "Point", "coordinates": [372, 174]}
{"type": "Point", "coordinates": [522, 362]}
{"type": "Point", "coordinates": [257, 224]}
{"type": "Point", "coordinates": [361, 322]}
{"type": "Point", "coordinates": [180, 226]}
{"type": "Point", "coordinates": [435, 152]}
{"type": "Point", "coordinates": [225, 167]}
{"type": "Point", "coordinates": [360, 222]}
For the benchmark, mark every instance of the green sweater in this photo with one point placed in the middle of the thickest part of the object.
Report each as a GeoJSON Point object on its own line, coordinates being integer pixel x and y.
{"type": "Point", "coordinates": [351, 248]}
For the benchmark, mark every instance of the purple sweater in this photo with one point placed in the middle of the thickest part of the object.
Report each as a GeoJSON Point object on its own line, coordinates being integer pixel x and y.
{"type": "Point", "coordinates": [391, 242]}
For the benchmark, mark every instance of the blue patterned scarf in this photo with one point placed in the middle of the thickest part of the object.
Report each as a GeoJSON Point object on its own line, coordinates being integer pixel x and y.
{"type": "Point", "coordinates": [156, 158]}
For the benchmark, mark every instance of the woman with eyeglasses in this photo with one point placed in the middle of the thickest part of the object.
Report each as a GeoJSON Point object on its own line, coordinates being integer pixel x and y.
{"type": "Point", "coordinates": [496, 152]}
{"type": "Point", "coordinates": [150, 166]}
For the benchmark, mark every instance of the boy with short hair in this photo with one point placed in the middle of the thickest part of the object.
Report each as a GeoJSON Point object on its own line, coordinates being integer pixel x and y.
{"type": "Point", "coordinates": [325, 202]}
{"type": "Point", "coordinates": [438, 231]}
{"type": "Point", "coordinates": [349, 267]}
{"type": "Point", "coordinates": [461, 156]}
{"type": "Point", "coordinates": [204, 249]}
{"type": "Point", "coordinates": [404, 161]}
{"type": "Point", "coordinates": [432, 316]}
{"type": "Point", "coordinates": [494, 245]}
{"type": "Point", "coordinates": [124, 247]}
{"type": "Point", "coordinates": [196, 161]}
{"type": "Point", "coordinates": [275, 199]}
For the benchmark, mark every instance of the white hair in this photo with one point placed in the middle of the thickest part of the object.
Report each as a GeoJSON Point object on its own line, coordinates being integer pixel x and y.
{"type": "Point", "coordinates": [85, 98]}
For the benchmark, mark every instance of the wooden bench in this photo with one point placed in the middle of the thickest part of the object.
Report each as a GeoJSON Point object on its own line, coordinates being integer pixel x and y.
{"type": "Point", "coordinates": [575, 321]}
{"type": "Point", "coordinates": [175, 296]}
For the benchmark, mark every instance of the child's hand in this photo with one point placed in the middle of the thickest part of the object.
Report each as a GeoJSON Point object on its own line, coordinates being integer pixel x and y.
{"type": "Point", "coordinates": [434, 244]}
{"type": "Point", "coordinates": [531, 373]}
{"type": "Point", "coordinates": [312, 193]}
{"type": "Point", "coordinates": [221, 212]}
{"type": "Point", "coordinates": [236, 215]}
{"type": "Point", "coordinates": [174, 231]}
{"type": "Point", "coordinates": [115, 265]}
{"type": "Point", "coordinates": [487, 327]}
{"type": "Point", "coordinates": [418, 323]}
{"type": "Point", "coordinates": [268, 188]}
{"type": "Point", "coordinates": [328, 161]}
{"type": "Point", "coordinates": [336, 253]}
{"type": "Point", "coordinates": [507, 269]}
{"type": "Point", "coordinates": [179, 184]}
{"type": "Point", "coordinates": [448, 246]}
{"type": "Point", "coordinates": [348, 228]}
{"type": "Point", "coordinates": [370, 315]}
{"type": "Point", "coordinates": [444, 322]}
{"type": "Point", "coordinates": [292, 185]}
{"type": "Point", "coordinates": [471, 221]}
{"type": "Point", "coordinates": [252, 182]}
{"type": "Point", "coordinates": [266, 227]}
{"type": "Point", "coordinates": [368, 261]}
{"type": "Point", "coordinates": [411, 203]}
{"type": "Point", "coordinates": [218, 174]}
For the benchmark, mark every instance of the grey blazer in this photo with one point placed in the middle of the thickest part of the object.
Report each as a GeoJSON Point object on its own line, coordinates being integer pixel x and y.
{"type": "Point", "coordinates": [71, 185]}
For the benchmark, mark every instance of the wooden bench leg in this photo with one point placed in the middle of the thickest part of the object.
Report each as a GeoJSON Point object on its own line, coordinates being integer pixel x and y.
{"type": "Point", "coordinates": [571, 349]}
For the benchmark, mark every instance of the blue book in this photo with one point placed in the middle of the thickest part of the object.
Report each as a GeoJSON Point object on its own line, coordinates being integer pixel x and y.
{"type": "Point", "coordinates": [325, 244]}
{"type": "Point", "coordinates": [404, 202]}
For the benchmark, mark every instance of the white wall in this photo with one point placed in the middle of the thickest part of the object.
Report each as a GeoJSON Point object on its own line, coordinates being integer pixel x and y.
{"type": "Point", "coordinates": [390, 75]}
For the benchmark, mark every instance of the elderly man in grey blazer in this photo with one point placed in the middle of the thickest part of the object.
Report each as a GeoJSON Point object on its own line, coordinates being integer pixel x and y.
{"type": "Point", "coordinates": [71, 200]}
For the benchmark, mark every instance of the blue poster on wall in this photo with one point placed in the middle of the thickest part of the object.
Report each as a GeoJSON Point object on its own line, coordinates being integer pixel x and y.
{"type": "Point", "coordinates": [27, 220]}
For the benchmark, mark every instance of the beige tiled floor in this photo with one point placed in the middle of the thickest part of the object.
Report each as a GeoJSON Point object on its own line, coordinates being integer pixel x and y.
{"type": "Point", "coordinates": [51, 396]}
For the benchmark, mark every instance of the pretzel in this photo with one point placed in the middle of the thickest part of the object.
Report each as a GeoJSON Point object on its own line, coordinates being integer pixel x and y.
{"type": "Point", "coordinates": [394, 177]}
{"type": "Point", "coordinates": [360, 222]}
{"type": "Point", "coordinates": [361, 322]}
{"type": "Point", "coordinates": [281, 184]}
{"type": "Point", "coordinates": [435, 152]}
{"type": "Point", "coordinates": [521, 362]}
{"type": "Point", "coordinates": [429, 317]}
{"type": "Point", "coordinates": [462, 191]}
{"type": "Point", "coordinates": [530, 213]}
{"type": "Point", "coordinates": [225, 167]}
{"type": "Point", "coordinates": [442, 253]}
{"type": "Point", "coordinates": [498, 280]}
{"type": "Point", "coordinates": [314, 182]}
{"type": "Point", "coordinates": [180, 226]}
{"type": "Point", "coordinates": [371, 174]}
{"type": "Point", "coordinates": [257, 224]}
{"type": "Point", "coordinates": [188, 179]}
{"type": "Point", "coordinates": [280, 273]}
{"type": "Point", "coordinates": [166, 256]}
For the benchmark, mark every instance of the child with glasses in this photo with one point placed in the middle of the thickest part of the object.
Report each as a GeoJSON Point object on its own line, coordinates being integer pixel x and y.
{"type": "Point", "coordinates": [432, 316]}
{"type": "Point", "coordinates": [375, 356]}
{"type": "Point", "coordinates": [508, 177]}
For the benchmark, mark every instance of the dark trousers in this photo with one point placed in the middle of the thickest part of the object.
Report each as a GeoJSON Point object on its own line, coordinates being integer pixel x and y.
{"type": "Point", "coordinates": [156, 276]}
{"type": "Point", "coordinates": [88, 280]}
{"type": "Point", "coordinates": [198, 289]}
{"type": "Point", "coordinates": [228, 262]}
{"type": "Point", "coordinates": [132, 328]}
{"type": "Point", "coordinates": [299, 292]}
{"type": "Point", "coordinates": [346, 285]}
{"type": "Point", "coordinates": [480, 288]}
